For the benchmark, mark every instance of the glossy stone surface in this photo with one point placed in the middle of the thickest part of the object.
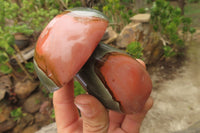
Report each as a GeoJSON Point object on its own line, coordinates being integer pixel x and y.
{"type": "Point", "coordinates": [120, 82]}
{"type": "Point", "coordinates": [67, 42]}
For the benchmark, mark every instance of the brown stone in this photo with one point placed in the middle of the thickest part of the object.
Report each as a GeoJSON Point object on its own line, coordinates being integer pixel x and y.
{"type": "Point", "coordinates": [111, 35]}
{"type": "Point", "coordinates": [156, 54]}
{"type": "Point", "coordinates": [141, 18]}
{"type": "Point", "coordinates": [7, 125]}
{"type": "Point", "coordinates": [27, 119]}
{"type": "Point", "coordinates": [42, 119]}
{"type": "Point", "coordinates": [24, 89]}
{"type": "Point", "coordinates": [5, 85]}
{"type": "Point", "coordinates": [32, 104]}
{"type": "Point", "coordinates": [5, 112]}
{"type": "Point", "coordinates": [130, 33]}
{"type": "Point", "coordinates": [31, 129]}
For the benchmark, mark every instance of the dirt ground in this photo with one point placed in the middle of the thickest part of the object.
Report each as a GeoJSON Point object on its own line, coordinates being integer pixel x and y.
{"type": "Point", "coordinates": [177, 100]}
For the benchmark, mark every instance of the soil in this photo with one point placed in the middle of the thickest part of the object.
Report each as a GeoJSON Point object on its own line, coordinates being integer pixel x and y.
{"type": "Point", "coordinates": [176, 94]}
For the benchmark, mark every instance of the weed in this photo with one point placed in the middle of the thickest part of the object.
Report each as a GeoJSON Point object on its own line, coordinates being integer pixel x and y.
{"type": "Point", "coordinates": [78, 89]}
{"type": "Point", "coordinates": [30, 67]}
{"type": "Point", "coordinates": [53, 114]}
{"type": "Point", "coordinates": [17, 114]}
{"type": "Point", "coordinates": [118, 13]}
{"type": "Point", "coordinates": [134, 49]}
{"type": "Point", "coordinates": [167, 20]}
{"type": "Point", "coordinates": [51, 95]}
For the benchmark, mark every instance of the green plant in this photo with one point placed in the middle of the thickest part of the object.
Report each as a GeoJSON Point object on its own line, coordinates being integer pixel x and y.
{"type": "Point", "coordinates": [193, 1]}
{"type": "Point", "coordinates": [78, 89]}
{"type": "Point", "coordinates": [167, 20]}
{"type": "Point", "coordinates": [72, 3]}
{"type": "Point", "coordinates": [6, 41]}
{"type": "Point", "coordinates": [10, 12]}
{"type": "Point", "coordinates": [37, 13]}
{"type": "Point", "coordinates": [51, 95]}
{"type": "Point", "coordinates": [168, 51]}
{"type": "Point", "coordinates": [30, 67]}
{"type": "Point", "coordinates": [192, 31]}
{"type": "Point", "coordinates": [4, 68]}
{"type": "Point", "coordinates": [27, 17]}
{"type": "Point", "coordinates": [53, 114]}
{"type": "Point", "coordinates": [134, 49]}
{"type": "Point", "coordinates": [118, 13]}
{"type": "Point", "coordinates": [142, 10]}
{"type": "Point", "coordinates": [17, 114]}
{"type": "Point", "coordinates": [149, 1]}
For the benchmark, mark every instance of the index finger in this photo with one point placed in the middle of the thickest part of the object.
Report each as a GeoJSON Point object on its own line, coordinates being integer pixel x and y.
{"type": "Point", "coordinates": [65, 110]}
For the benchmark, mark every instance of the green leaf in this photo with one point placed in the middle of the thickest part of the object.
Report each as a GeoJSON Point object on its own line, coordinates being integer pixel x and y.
{"type": "Point", "coordinates": [192, 30]}
{"type": "Point", "coordinates": [5, 69]}
{"type": "Point", "coordinates": [186, 20]}
{"type": "Point", "coordinates": [134, 49]}
{"type": "Point", "coordinates": [10, 51]}
{"type": "Point", "coordinates": [53, 114]}
{"type": "Point", "coordinates": [16, 113]}
{"type": "Point", "coordinates": [3, 57]}
{"type": "Point", "coordinates": [51, 95]}
{"type": "Point", "coordinates": [78, 89]}
{"type": "Point", "coordinates": [168, 51]}
{"type": "Point", "coordinates": [30, 67]}
{"type": "Point", "coordinates": [185, 29]}
{"type": "Point", "coordinates": [171, 28]}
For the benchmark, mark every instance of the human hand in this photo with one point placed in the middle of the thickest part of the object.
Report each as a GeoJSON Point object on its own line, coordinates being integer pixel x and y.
{"type": "Point", "coordinates": [95, 118]}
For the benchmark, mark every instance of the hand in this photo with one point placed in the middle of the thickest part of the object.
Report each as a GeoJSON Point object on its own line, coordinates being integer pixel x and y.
{"type": "Point", "coordinates": [94, 117]}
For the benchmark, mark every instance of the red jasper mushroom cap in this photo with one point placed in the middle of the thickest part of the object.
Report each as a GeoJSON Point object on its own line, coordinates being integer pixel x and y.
{"type": "Point", "coordinates": [127, 80]}
{"type": "Point", "coordinates": [67, 42]}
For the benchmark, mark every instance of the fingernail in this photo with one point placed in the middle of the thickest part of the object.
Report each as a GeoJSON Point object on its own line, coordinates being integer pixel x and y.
{"type": "Point", "coordinates": [86, 109]}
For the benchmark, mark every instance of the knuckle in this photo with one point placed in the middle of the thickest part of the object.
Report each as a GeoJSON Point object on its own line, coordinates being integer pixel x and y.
{"type": "Point", "coordinates": [96, 127]}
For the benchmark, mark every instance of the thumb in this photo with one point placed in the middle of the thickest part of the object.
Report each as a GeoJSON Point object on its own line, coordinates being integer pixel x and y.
{"type": "Point", "coordinates": [94, 115]}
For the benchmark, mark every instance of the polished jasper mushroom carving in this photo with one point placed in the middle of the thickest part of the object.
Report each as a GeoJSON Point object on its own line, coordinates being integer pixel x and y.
{"type": "Point", "coordinates": [66, 48]}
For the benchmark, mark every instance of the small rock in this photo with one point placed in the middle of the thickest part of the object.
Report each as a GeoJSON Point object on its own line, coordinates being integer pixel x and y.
{"type": "Point", "coordinates": [45, 107]}
{"type": "Point", "coordinates": [4, 112]}
{"type": "Point", "coordinates": [130, 33]}
{"type": "Point", "coordinates": [31, 129]}
{"type": "Point", "coordinates": [18, 129]}
{"type": "Point", "coordinates": [141, 18]}
{"type": "Point", "coordinates": [42, 119]}
{"type": "Point", "coordinates": [156, 54]}
{"type": "Point", "coordinates": [27, 119]}
{"type": "Point", "coordinates": [111, 35]}
{"type": "Point", "coordinates": [32, 104]}
{"type": "Point", "coordinates": [105, 36]}
{"type": "Point", "coordinates": [2, 93]}
{"type": "Point", "coordinates": [24, 89]}
{"type": "Point", "coordinates": [5, 85]}
{"type": "Point", "coordinates": [7, 125]}
{"type": "Point", "coordinates": [153, 51]}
